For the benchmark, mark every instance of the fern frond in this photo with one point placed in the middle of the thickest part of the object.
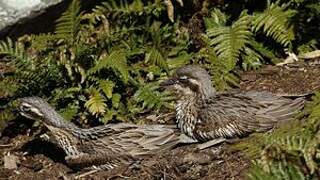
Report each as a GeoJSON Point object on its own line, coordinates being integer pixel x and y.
{"type": "Point", "coordinates": [8, 87]}
{"type": "Point", "coordinates": [278, 170]}
{"type": "Point", "coordinates": [274, 22]}
{"type": "Point", "coordinates": [118, 8]}
{"type": "Point", "coordinates": [96, 103]}
{"type": "Point", "coordinates": [70, 111]}
{"type": "Point", "coordinates": [67, 26]}
{"type": "Point", "coordinates": [216, 19]}
{"type": "Point", "coordinates": [264, 51]}
{"type": "Point", "coordinates": [117, 61]}
{"type": "Point", "coordinates": [155, 57]}
{"type": "Point", "coordinates": [16, 51]}
{"type": "Point", "coordinates": [116, 100]}
{"type": "Point", "coordinates": [229, 41]}
{"type": "Point", "coordinates": [251, 59]}
{"type": "Point", "coordinates": [151, 98]}
{"type": "Point", "coordinates": [6, 115]}
{"type": "Point", "coordinates": [107, 87]}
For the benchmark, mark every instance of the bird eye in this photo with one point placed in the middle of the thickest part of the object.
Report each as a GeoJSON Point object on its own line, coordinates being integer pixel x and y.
{"type": "Point", "coordinates": [25, 108]}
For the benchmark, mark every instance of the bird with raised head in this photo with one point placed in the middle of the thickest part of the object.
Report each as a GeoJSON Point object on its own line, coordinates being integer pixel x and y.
{"type": "Point", "coordinates": [205, 114]}
{"type": "Point", "coordinates": [102, 147]}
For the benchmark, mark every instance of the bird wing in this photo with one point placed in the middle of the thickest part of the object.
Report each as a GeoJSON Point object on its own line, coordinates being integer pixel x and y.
{"type": "Point", "coordinates": [136, 140]}
{"type": "Point", "coordinates": [238, 114]}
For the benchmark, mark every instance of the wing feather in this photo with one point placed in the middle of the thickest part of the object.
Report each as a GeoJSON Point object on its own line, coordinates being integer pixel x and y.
{"type": "Point", "coordinates": [238, 114]}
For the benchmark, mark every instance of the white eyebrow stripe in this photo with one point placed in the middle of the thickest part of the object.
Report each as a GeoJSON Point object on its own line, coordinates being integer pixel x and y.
{"type": "Point", "coordinates": [194, 81]}
{"type": "Point", "coordinates": [35, 110]}
{"type": "Point", "coordinates": [183, 77]}
{"type": "Point", "coordinates": [26, 104]}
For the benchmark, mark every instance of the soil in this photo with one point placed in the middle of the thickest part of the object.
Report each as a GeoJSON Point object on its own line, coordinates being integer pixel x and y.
{"type": "Point", "coordinates": [38, 159]}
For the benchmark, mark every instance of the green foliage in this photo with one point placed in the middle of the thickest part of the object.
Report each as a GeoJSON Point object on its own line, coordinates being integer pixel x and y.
{"type": "Point", "coordinates": [96, 104]}
{"type": "Point", "coordinates": [150, 98]}
{"type": "Point", "coordinates": [289, 152]}
{"type": "Point", "coordinates": [68, 25]}
{"type": "Point", "coordinates": [104, 64]}
{"type": "Point", "coordinates": [229, 41]}
{"type": "Point", "coordinates": [274, 22]}
{"type": "Point", "coordinates": [117, 61]}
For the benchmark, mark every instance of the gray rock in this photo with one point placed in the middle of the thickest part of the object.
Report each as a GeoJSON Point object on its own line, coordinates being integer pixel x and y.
{"type": "Point", "coordinates": [14, 12]}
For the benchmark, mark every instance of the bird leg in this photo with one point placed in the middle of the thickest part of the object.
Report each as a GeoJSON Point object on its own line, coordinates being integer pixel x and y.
{"type": "Point", "coordinates": [211, 143]}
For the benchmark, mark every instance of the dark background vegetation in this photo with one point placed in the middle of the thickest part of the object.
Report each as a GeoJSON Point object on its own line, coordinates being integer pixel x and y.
{"type": "Point", "coordinates": [103, 63]}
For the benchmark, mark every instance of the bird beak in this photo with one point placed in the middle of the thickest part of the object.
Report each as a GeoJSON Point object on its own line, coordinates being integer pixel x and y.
{"type": "Point", "coordinates": [168, 82]}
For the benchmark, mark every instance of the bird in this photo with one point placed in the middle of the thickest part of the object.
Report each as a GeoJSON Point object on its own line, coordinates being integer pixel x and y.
{"type": "Point", "coordinates": [102, 147]}
{"type": "Point", "coordinates": [205, 114]}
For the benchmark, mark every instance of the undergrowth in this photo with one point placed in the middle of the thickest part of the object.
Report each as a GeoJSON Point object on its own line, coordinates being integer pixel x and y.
{"type": "Point", "coordinates": [105, 64]}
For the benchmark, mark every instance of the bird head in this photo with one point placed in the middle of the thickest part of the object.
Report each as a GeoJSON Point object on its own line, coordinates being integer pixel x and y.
{"type": "Point", "coordinates": [38, 109]}
{"type": "Point", "coordinates": [190, 81]}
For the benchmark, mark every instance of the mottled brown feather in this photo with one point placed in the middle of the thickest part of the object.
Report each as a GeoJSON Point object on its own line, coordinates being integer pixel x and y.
{"type": "Point", "coordinates": [204, 114]}
{"type": "Point", "coordinates": [105, 146]}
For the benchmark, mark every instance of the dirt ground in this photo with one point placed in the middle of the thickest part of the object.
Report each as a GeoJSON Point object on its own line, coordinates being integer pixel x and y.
{"type": "Point", "coordinates": [37, 159]}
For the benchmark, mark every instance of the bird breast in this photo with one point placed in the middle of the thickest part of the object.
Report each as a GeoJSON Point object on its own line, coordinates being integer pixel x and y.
{"type": "Point", "coordinates": [186, 117]}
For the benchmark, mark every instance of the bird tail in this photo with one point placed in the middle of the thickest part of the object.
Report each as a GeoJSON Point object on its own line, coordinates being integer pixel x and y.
{"type": "Point", "coordinates": [287, 110]}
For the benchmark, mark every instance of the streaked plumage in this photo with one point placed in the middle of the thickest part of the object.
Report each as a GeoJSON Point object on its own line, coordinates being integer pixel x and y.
{"type": "Point", "coordinates": [204, 114]}
{"type": "Point", "coordinates": [105, 146]}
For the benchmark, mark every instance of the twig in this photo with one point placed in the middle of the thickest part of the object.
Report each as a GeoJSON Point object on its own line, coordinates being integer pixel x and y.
{"type": "Point", "coordinates": [86, 174]}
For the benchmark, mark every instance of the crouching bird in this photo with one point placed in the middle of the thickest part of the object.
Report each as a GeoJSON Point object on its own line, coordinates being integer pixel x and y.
{"type": "Point", "coordinates": [204, 114]}
{"type": "Point", "coordinates": [102, 147]}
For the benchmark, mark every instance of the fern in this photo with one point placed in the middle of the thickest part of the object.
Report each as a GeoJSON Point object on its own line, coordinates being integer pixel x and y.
{"type": "Point", "coordinates": [279, 170]}
{"type": "Point", "coordinates": [155, 57]}
{"type": "Point", "coordinates": [216, 19]}
{"type": "Point", "coordinates": [11, 48]}
{"type": "Point", "coordinates": [8, 87]}
{"type": "Point", "coordinates": [122, 7]}
{"type": "Point", "coordinates": [70, 112]}
{"type": "Point", "coordinates": [274, 22]}
{"type": "Point", "coordinates": [152, 99]}
{"type": "Point", "coordinates": [251, 59]}
{"type": "Point", "coordinates": [96, 103]}
{"type": "Point", "coordinates": [107, 87]}
{"type": "Point", "coordinates": [292, 150]}
{"type": "Point", "coordinates": [117, 61]}
{"type": "Point", "coordinates": [229, 41]}
{"type": "Point", "coordinates": [67, 26]}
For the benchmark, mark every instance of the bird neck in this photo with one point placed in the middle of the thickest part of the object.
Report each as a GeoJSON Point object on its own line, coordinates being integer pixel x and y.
{"type": "Point", "coordinates": [206, 91]}
{"type": "Point", "coordinates": [65, 139]}
{"type": "Point", "coordinates": [54, 119]}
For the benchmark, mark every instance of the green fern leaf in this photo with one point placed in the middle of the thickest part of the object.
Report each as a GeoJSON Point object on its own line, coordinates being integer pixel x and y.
{"type": "Point", "coordinates": [96, 104]}
{"type": "Point", "coordinates": [216, 19]}
{"type": "Point", "coordinates": [108, 116]}
{"type": "Point", "coordinates": [274, 23]}
{"type": "Point", "coordinates": [69, 112]}
{"type": "Point", "coordinates": [229, 41]}
{"type": "Point", "coordinates": [251, 59]}
{"type": "Point", "coordinates": [68, 25]}
{"type": "Point", "coordinates": [6, 115]}
{"type": "Point", "coordinates": [121, 8]}
{"type": "Point", "coordinates": [116, 100]}
{"type": "Point", "coordinates": [155, 57]}
{"type": "Point", "coordinates": [117, 61]}
{"type": "Point", "coordinates": [16, 51]}
{"type": "Point", "coordinates": [107, 87]}
{"type": "Point", "coordinates": [8, 87]}
{"type": "Point", "coordinates": [151, 98]}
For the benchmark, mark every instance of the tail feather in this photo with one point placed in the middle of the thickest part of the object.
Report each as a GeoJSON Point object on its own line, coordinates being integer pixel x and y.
{"type": "Point", "coordinates": [285, 111]}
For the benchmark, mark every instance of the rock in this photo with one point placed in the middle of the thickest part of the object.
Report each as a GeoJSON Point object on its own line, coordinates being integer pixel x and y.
{"type": "Point", "coordinates": [17, 12]}
{"type": "Point", "coordinates": [10, 161]}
